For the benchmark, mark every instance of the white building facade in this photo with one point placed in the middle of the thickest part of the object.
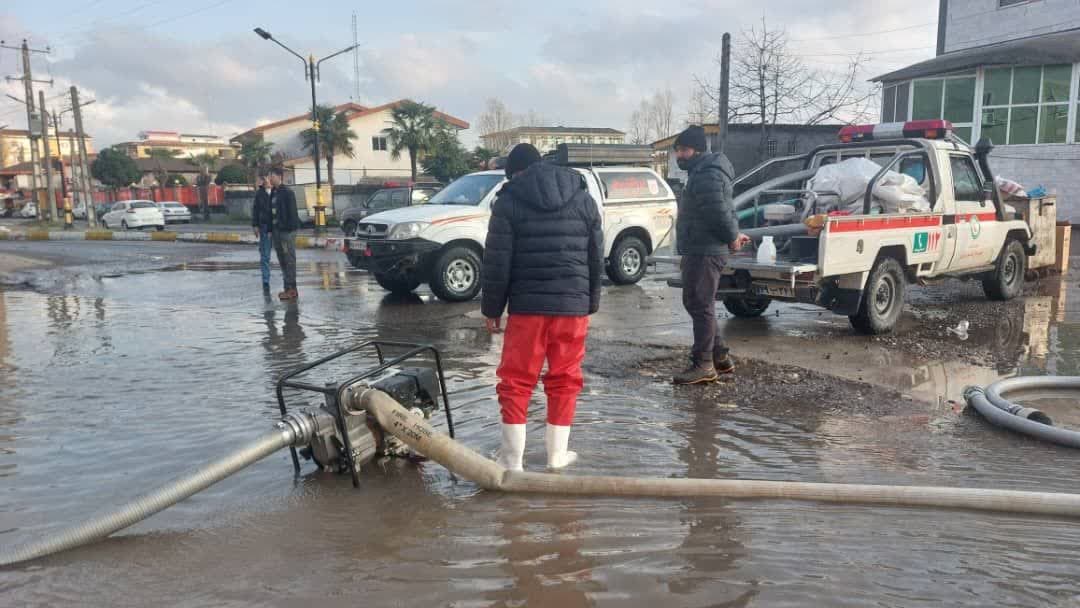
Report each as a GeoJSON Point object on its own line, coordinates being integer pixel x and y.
{"type": "Point", "coordinates": [372, 157]}
{"type": "Point", "coordinates": [1007, 70]}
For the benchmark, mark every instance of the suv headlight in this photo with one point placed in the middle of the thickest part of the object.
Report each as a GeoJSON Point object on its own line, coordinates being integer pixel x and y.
{"type": "Point", "coordinates": [406, 230]}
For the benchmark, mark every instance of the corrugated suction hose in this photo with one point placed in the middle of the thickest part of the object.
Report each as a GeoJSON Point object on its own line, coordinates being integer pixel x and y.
{"type": "Point", "coordinates": [296, 429]}
{"type": "Point", "coordinates": [993, 405]}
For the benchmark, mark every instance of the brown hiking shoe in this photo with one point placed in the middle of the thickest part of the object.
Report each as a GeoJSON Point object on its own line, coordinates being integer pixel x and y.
{"type": "Point", "coordinates": [697, 373]}
{"type": "Point", "coordinates": [723, 365]}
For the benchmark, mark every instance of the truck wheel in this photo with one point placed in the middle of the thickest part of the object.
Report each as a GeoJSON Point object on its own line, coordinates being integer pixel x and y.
{"type": "Point", "coordinates": [398, 283]}
{"type": "Point", "coordinates": [349, 227]}
{"type": "Point", "coordinates": [626, 265]}
{"type": "Point", "coordinates": [455, 277]}
{"type": "Point", "coordinates": [747, 308]}
{"type": "Point", "coordinates": [1007, 279]}
{"type": "Point", "coordinates": [882, 300]}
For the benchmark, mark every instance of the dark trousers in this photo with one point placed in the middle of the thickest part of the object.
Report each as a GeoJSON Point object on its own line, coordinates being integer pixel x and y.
{"type": "Point", "coordinates": [701, 278]}
{"type": "Point", "coordinates": [285, 246]}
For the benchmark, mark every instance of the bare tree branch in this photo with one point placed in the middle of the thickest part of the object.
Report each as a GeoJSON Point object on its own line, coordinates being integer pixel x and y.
{"type": "Point", "coordinates": [770, 85]}
{"type": "Point", "coordinates": [653, 119]}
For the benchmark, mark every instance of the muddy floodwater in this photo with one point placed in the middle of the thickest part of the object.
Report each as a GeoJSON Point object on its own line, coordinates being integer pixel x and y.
{"type": "Point", "coordinates": [119, 374]}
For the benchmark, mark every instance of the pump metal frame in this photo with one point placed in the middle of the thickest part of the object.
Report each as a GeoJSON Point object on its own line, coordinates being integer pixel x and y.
{"type": "Point", "coordinates": [336, 392]}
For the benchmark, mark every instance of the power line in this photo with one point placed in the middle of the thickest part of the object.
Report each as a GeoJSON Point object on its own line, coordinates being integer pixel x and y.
{"type": "Point", "coordinates": [864, 34]}
{"type": "Point", "coordinates": [188, 14]}
{"type": "Point", "coordinates": [866, 52]}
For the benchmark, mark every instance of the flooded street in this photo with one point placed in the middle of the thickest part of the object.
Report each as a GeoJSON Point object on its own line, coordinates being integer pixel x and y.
{"type": "Point", "coordinates": [149, 359]}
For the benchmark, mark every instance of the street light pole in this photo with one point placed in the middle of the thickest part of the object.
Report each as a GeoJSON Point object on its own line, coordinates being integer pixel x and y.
{"type": "Point", "coordinates": [311, 73]}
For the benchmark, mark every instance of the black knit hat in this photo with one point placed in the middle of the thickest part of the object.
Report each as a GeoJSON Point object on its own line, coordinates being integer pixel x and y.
{"type": "Point", "coordinates": [520, 158]}
{"type": "Point", "coordinates": [692, 137]}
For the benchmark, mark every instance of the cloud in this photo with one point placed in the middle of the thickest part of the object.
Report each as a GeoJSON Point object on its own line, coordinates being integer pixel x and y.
{"type": "Point", "coordinates": [575, 63]}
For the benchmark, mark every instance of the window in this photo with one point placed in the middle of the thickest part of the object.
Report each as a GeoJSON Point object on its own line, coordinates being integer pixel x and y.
{"type": "Point", "coordinates": [468, 190]}
{"type": "Point", "coordinates": [966, 183]}
{"type": "Point", "coordinates": [378, 144]}
{"type": "Point", "coordinates": [1026, 105]}
{"type": "Point", "coordinates": [627, 185]}
{"type": "Point", "coordinates": [380, 200]}
{"type": "Point", "coordinates": [770, 148]}
{"type": "Point", "coordinates": [894, 105]}
{"type": "Point", "coordinates": [119, 206]}
{"type": "Point", "coordinates": [398, 198]}
{"type": "Point", "coordinates": [951, 99]}
{"type": "Point", "coordinates": [793, 147]}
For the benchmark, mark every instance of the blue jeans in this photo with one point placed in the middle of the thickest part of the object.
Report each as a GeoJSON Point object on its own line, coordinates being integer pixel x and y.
{"type": "Point", "coordinates": [266, 243]}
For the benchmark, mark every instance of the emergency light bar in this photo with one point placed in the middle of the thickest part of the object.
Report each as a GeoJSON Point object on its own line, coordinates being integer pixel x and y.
{"type": "Point", "coordinates": [924, 129]}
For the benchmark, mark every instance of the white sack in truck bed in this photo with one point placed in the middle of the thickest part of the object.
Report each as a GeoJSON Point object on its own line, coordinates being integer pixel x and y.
{"type": "Point", "coordinates": [894, 192]}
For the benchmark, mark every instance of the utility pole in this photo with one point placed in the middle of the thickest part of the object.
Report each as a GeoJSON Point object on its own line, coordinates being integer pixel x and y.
{"type": "Point", "coordinates": [84, 168]}
{"type": "Point", "coordinates": [28, 80]}
{"type": "Point", "coordinates": [725, 78]}
{"type": "Point", "coordinates": [60, 153]}
{"type": "Point", "coordinates": [50, 190]}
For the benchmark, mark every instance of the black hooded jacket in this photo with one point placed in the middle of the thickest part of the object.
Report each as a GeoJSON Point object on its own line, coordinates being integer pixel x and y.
{"type": "Point", "coordinates": [707, 224]}
{"type": "Point", "coordinates": [545, 246]}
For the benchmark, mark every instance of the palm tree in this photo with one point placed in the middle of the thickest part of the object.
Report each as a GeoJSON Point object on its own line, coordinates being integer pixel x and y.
{"type": "Point", "coordinates": [335, 137]}
{"type": "Point", "coordinates": [255, 156]}
{"type": "Point", "coordinates": [412, 130]}
{"type": "Point", "coordinates": [205, 162]}
{"type": "Point", "coordinates": [161, 174]}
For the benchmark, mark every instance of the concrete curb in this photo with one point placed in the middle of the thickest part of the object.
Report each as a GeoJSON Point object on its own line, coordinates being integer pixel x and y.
{"type": "Point", "coordinates": [230, 238]}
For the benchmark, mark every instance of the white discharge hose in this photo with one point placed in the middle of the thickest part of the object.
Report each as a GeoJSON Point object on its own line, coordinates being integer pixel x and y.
{"type": "Point", "coordinates": [420, 436]}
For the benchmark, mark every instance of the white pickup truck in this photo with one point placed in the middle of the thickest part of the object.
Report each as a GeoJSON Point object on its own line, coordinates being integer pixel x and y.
{"type": "Point", "coordinates": [860, 265]}
{"type": "Point", "coordinates": [441, 243]}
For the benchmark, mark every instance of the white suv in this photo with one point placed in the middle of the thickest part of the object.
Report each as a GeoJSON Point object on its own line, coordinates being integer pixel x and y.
{"type": "Point", "coordinates": [442, 242]}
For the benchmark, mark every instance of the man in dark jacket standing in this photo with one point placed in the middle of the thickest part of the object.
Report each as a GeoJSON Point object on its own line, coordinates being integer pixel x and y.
{"type": "Point", "coordinates": [544, 256]}
{"type": "Point", "coordinates": [286, 221]}
{"type": "Point", "coordinates": [263, 227]}
{"type": "Point", "coordinates": [707, 231]}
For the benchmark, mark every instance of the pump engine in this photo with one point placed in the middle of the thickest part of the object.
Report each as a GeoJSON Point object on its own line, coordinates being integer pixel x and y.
{"type": "Point", "coordinates": [344, 439]}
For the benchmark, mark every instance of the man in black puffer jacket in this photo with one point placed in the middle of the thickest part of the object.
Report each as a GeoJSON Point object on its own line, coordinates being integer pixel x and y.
{"type": "Point", "coordinates": [707, 231]}
{"type": "Point", "coordinates": [544, 256]}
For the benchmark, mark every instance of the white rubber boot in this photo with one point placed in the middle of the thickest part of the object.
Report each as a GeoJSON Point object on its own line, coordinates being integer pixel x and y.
{"type": "Point", "coordinates": [512, 451]}
{"type": "Point", "coordinates": [555, 439]}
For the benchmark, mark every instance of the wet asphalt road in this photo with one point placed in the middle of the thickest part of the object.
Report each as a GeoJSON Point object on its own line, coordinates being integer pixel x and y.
{"type": "Point", "coordinates": [128, 363]}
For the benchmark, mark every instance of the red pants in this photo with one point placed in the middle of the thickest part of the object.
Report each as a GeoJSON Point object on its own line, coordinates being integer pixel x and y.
{"type": "Point", "coordinates": [528, 341]}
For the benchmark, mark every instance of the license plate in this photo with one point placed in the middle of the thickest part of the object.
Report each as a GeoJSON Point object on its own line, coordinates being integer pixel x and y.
{"type": "Point", "coordinates": [774, 291]}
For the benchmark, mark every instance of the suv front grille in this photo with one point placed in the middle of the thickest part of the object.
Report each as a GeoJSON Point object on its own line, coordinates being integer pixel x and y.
{"type": "Point", "coordinates": [371, 231]}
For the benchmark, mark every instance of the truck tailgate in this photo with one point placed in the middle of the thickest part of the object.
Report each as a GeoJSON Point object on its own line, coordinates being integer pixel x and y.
{"type": "Point", "coordinates": [780, 269]}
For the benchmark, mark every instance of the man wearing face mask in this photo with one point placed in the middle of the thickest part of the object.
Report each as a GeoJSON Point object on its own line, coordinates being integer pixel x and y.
{"type": "Point", "coordinates": [707, 231]}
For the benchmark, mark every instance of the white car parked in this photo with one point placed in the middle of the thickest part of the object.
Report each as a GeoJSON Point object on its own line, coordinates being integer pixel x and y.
{"type": "Point", "coordinates": [28, 210]}
{"type": "Point", "coordinates": [79, 211]}
{"type": "Point", "coordinates": [174, 212]}
{"type": "Point", "coordinates": [134, 214]}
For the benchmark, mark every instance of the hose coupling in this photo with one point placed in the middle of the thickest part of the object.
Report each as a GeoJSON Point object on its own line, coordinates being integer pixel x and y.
{"type": "Point", "coordinates": [299, 426]}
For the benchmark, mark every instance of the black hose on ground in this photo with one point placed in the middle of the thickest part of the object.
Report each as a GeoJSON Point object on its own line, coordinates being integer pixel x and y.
{"type": "Point", "coordinates": [992, 404]}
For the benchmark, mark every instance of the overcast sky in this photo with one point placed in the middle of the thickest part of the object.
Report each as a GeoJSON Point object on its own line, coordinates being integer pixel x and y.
{"type": "Point", "coordinates": [197, 66]}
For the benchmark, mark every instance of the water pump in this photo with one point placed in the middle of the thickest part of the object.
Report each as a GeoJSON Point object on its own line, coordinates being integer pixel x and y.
{"type": "Point", "coordinates": [343, 440]}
